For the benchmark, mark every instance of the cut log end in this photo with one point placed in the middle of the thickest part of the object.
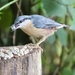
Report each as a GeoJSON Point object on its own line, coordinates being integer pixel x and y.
{"type": "Point", "coordinates": [20, 60]}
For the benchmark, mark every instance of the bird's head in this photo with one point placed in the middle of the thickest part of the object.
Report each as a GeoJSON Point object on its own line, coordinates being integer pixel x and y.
{"type": "Point", "coordinates": [20, 22]}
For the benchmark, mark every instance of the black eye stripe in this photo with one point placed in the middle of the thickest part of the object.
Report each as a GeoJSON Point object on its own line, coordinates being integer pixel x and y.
{"type": "Point", "coordinates": [26, 19]}
{"type": "Point", "coordinates": [21, 21]}
{"type": "Point", "coordinates": [16, 25]}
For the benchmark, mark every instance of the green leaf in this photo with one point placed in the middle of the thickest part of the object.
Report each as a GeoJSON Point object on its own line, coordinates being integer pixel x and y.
{"type": "Point", "coordinates": [54, 7]}
{"type": "Point", "coordinates": [67, 71]}
{"type": "Point", "coordinates": [72, 27]}
{"type": "Point", "coordinates": [58, 47]}
{"type": "Point", "coordinates": [62, 35]}
{"type": "Point", "coordinates": [74, 72]}
{"type": "Point", "coordinates": [0, 12]}
{"type": "Point", "coordinates": [6, 18]}
{"type": "Point", "coordinates": [68, 1]}
{"type": "Point", "coordinates": [0, 16]}
{"type": "Point", "coordinates": [72, 11]}
{"type": "Point", "coordinates": [71, 55]}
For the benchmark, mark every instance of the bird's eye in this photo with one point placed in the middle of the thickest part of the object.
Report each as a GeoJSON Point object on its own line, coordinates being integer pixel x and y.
{"type": "Point", "coordinates": [20, 21]}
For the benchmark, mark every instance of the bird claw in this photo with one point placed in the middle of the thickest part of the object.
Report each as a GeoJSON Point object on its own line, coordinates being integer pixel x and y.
{"type": "Point", "coordinates": [36, 46]}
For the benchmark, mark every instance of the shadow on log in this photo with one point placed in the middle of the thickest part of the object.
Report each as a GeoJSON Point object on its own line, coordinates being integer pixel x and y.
{"type": "Point", "coordinates": [20, 60]}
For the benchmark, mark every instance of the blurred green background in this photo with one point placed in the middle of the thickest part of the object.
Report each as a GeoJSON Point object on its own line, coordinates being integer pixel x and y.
{"type": "Point", "coordinates": [58, 57]}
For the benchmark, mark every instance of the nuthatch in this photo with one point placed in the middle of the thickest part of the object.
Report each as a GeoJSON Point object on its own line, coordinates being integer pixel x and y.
{"type": "Point", "coordinates": [37, 26]}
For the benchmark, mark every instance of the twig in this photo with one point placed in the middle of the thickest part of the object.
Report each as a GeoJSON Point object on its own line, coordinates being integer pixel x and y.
{"type": "Point", "coordinates": [56, 70]}
{"type": "Point", "coordinates": [19, 9]}
{"type": "Point", "coordinates": [18, 12]}
{"type": "Point", "coordinates": [8, 4]}
{"type": "Point", "coordinates": [69, 57]}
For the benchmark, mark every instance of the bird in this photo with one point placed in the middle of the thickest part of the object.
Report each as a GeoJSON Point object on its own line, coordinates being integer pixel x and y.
{"type": "Point", "coordinates": [37, 26]}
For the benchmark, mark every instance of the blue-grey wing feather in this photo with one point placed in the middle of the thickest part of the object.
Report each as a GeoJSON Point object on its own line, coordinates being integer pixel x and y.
{"type": "Point", "coordinates": [43, 22]}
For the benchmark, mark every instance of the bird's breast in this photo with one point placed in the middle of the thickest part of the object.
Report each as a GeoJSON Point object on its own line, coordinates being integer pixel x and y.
{"type": "Point", "coordinates": [36, 32]}
{"type": "Point", "coordinates": [33, 31]}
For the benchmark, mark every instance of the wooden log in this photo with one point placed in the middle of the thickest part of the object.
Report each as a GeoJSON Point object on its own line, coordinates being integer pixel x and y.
{"type": "Point", "coordinates": [28, 63]}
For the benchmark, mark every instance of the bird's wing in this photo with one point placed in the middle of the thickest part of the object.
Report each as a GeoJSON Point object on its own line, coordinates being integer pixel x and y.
{"type": "Point", "coordinates": [42, 22]}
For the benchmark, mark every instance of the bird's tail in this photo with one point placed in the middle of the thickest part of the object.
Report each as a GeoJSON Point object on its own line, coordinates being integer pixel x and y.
{"type": "Point", "coordinates": [61, 26]}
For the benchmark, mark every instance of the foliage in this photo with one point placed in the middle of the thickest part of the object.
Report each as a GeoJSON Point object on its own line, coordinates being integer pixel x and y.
{"type": "Point", "coordinates": [59, 50]}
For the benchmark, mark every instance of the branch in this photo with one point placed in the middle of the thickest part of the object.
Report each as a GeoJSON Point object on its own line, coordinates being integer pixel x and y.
{"type": "Point", "coordinates": [8, 4]}
{"type": "Point", "coordinates": [18, 12]}
{"type": "Point", "coordinates": [19, 9]}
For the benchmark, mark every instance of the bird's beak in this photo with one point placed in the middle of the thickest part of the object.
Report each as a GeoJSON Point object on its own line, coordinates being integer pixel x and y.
{"type": "Point", "coordinates": [13, 27]}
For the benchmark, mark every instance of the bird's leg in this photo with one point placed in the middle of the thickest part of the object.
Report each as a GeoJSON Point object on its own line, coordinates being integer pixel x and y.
{"type": "Point", "coordinates": [34, 40]}
{"type": "Point", "coordinates": [41, 40]}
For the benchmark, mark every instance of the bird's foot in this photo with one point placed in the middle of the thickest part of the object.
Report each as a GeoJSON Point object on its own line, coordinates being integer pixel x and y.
{"type": "Point", "coordinates": [36, 46]}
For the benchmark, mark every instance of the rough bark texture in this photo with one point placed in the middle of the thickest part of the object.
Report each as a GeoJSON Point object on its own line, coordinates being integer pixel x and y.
{"type": "Point", "coordinates": [29, 64]}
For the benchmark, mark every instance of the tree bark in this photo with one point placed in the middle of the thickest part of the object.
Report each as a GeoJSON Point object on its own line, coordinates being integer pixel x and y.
{"type": "Point", "coordinates": [26, 64]}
